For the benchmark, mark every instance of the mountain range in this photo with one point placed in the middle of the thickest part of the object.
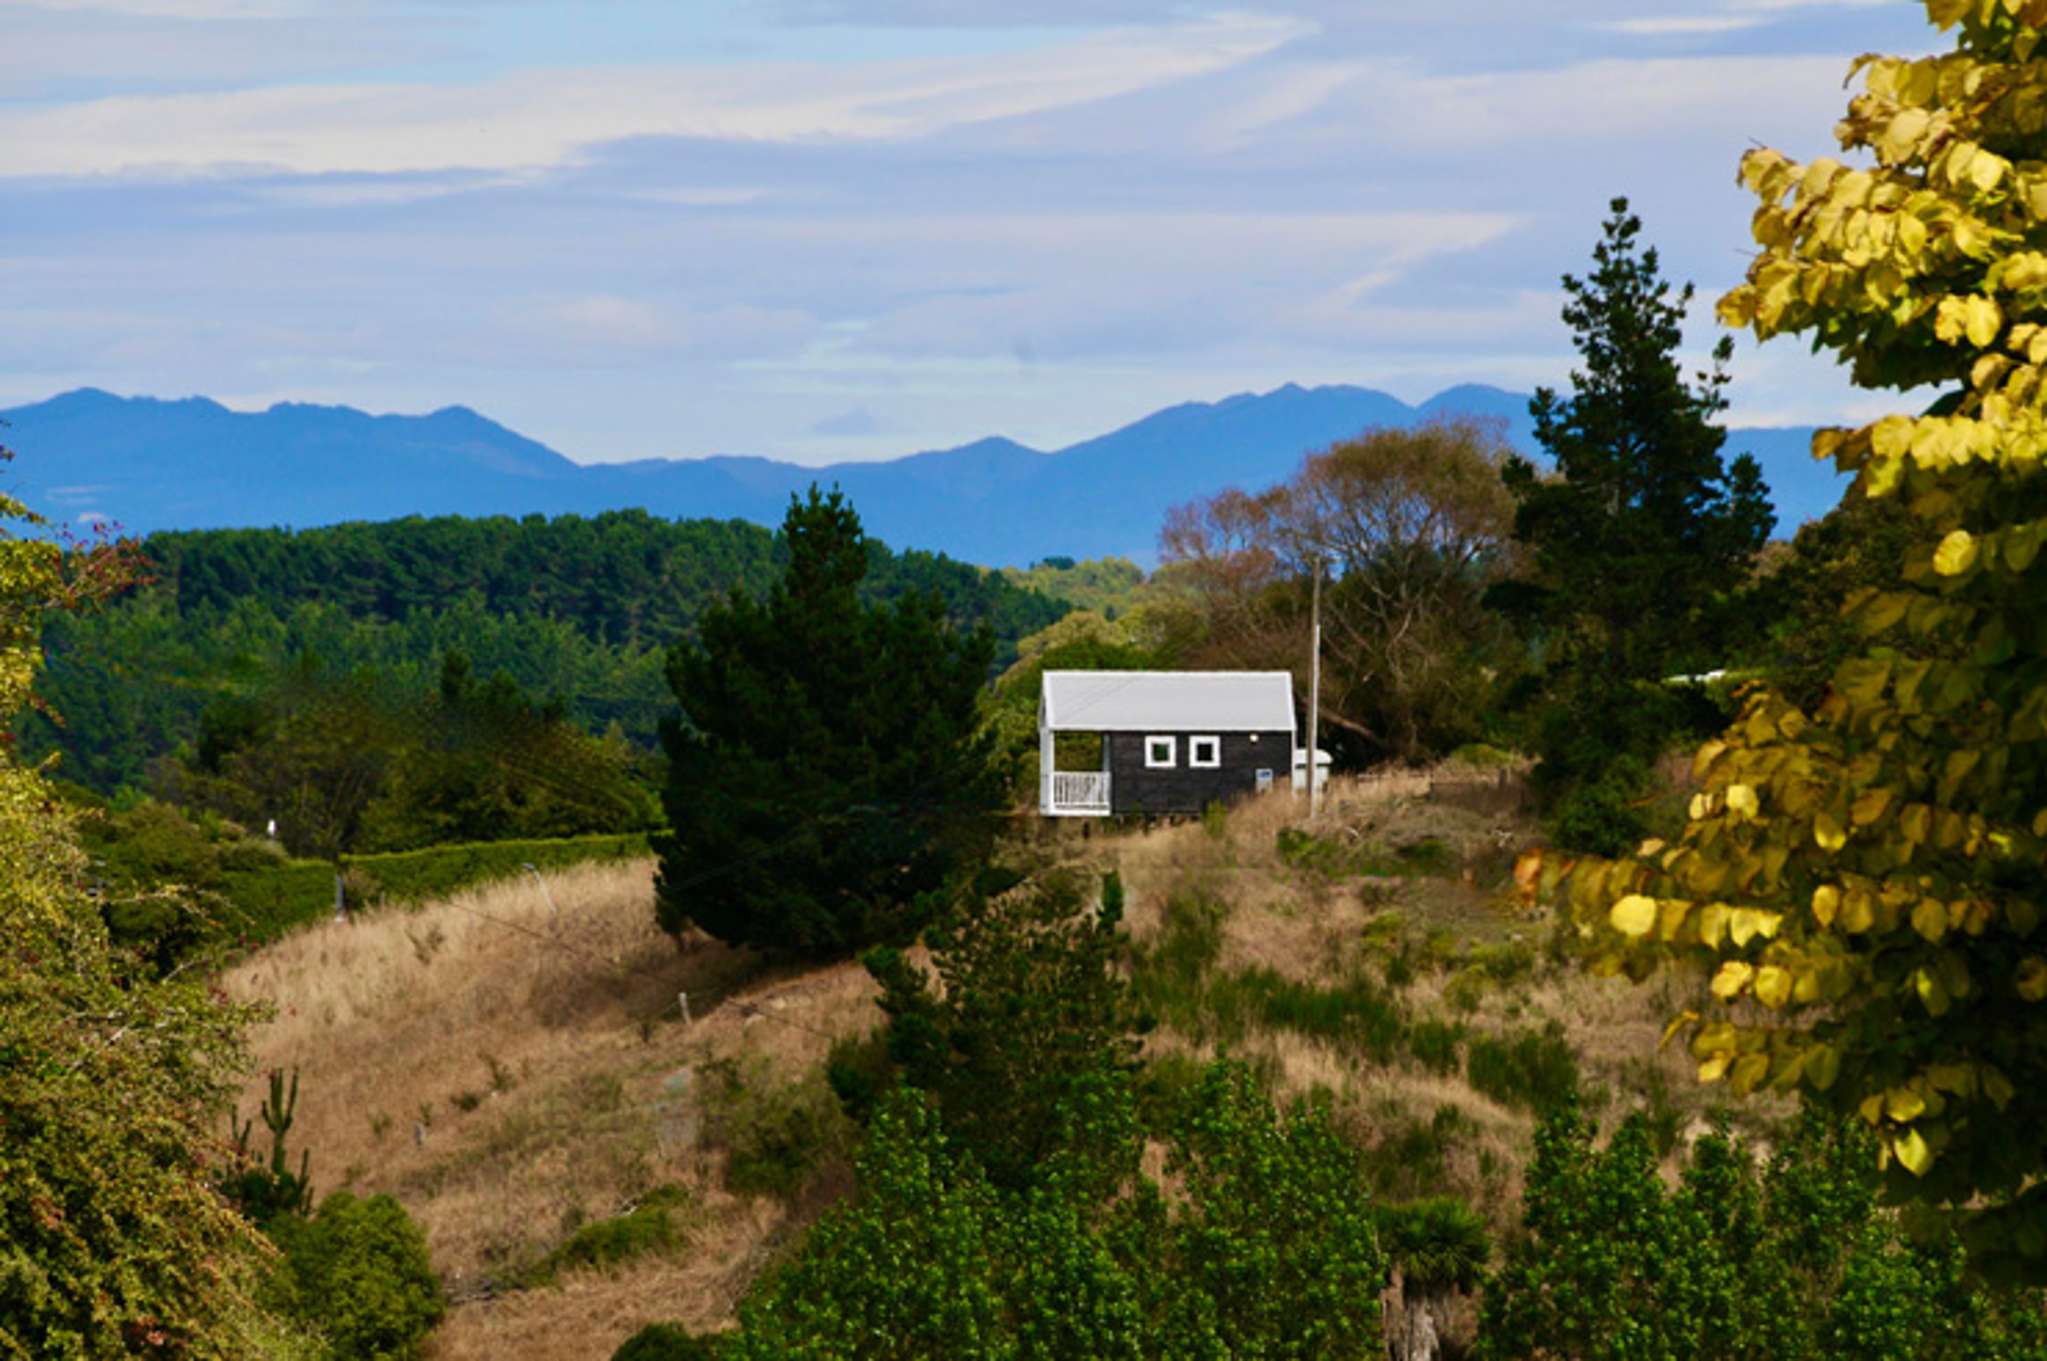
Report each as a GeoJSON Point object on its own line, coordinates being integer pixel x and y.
{"type": "Point", "coordinates": [148, 464]}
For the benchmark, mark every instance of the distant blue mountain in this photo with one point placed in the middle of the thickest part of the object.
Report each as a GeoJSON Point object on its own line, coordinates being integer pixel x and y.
{"type": "Point", "coordinates": [194, 464]}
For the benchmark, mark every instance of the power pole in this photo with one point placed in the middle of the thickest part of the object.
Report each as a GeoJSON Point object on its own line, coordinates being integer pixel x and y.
{"type": "Point", "coordinates": [1315, 695]}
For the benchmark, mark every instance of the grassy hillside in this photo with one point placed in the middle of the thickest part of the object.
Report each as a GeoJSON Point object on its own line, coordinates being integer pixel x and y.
{"type": "Point", "coordinates": [538, 1096]}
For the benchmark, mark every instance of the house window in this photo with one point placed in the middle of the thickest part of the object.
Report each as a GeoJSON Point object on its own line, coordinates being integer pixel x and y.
{"type": "Point", "coordinates": [1205, 752]}
{"type": "Point", "coordinates": [1159, 753]}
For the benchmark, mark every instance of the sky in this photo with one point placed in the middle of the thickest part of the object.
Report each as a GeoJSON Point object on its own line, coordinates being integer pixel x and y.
{"type": "Point", "coordinates": [847, 229]}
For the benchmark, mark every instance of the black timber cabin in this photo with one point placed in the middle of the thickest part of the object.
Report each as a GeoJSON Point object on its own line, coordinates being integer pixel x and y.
{"type": "Point", "coordinates": [1172, 741]}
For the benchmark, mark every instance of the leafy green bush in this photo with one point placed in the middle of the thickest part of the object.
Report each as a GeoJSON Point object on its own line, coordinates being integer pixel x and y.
{"type": "Point", "coordinates": [666, 1342]}
{"type": "Point", "coordinates": [646, 1228]}
{"type": "Point", "coordinates": [358, 1269]}
{"type": "Point", "coordinates": [1027, 1033]}
{"type": "Point", "coordinates": [1794, 1261]}
{"type": "Point", "coordinates": [1531, 1069]}
{"type": "Point", "coordinates": [1266, 1250]}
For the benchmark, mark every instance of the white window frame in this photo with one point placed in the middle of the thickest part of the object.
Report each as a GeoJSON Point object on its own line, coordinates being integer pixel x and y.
{"type": "Point", "coordinates": [1152, 761]}
{"type": "Point", "coordinates": [1215, 749]}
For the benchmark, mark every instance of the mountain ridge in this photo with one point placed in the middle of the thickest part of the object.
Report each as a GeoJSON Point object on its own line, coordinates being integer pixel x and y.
{"type": "Point", "coordinates": [152, 463]}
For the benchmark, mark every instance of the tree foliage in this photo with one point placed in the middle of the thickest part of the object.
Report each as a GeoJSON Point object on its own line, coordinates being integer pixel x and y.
{"type": "Point", "coordinates": [827, 773]}
{"type": "Point", "coordinates": [112, 1240]}
{"type": "Point", "coordinates": [1638, 540]}
{"type": "Point", "coordinates": [1792, 1260]}
{"type": "Point", "coordinates": [1024, 1035]}
{"type": "Point", "coordinates": [1411, 526]}
{"type": "Point", "coordinates": [580, 607]}
{"type": "Point", "coordinates": [1266, 1250]}
{"type": "Point", "coordinates": [1862, 879]}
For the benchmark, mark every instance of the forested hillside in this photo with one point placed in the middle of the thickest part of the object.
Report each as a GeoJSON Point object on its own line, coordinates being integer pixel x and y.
{"type": "Point", "coordinates": [572, 607]}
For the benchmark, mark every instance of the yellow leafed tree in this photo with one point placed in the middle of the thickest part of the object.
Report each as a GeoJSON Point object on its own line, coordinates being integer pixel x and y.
{"type": "Point", "coordinates": [1863, 881]}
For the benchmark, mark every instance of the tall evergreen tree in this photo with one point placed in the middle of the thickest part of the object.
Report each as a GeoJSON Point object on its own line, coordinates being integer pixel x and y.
{"type": "Point", "coordinates": [825, 773]}
{"type": "Point", "coordinates": [1642, 537]}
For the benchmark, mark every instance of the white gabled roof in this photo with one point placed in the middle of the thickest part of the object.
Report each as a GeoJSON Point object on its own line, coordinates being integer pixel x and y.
{"type": "Point", "coordinates": [1168, 701]}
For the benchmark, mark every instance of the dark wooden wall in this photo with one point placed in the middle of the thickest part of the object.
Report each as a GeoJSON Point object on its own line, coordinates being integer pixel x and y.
{"type": "Point", "coordinates": [1135, 788]}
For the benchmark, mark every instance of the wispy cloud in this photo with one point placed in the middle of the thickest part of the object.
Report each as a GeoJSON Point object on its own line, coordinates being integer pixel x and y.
{"type": "Point", "coordinates": [547, 117]}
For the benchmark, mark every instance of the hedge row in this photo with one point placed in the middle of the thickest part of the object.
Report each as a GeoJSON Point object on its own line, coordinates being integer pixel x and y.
{"type": "Point", "coordinates": [437, 871]}
{"type": "Point", "coordinates": [269, 902]}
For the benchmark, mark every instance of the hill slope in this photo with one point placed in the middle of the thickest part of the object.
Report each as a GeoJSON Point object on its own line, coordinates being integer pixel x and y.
{"type": "Point", "coordinates": [548, 1079]}
{"type": "Point", "coordinates": [193, 464]}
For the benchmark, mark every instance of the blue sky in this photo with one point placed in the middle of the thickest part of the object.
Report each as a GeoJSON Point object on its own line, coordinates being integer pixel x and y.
{"type": "Point", "coordinates": [832, 229]}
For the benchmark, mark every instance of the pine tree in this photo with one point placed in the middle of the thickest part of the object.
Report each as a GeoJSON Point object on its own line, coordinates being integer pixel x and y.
{"type": "Point", "coordinates": [826, 773]}
{"type": "Point", "coordinates": [1638, 537]}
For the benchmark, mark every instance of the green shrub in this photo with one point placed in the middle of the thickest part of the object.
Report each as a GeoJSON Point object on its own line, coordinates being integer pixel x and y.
{"type": "Point", "coordinates": [1434, 1044]}
{"type": "Point", "coordinates": [603, 1243]}
{"type": "Point", "coordinates": [774, 1133]}
{"type": "Point", "coordinates": [267, 903]}
{"type": "Point", "coordinates": [1166, 982]}
{"type": "Point", "coordinates": [666, 1342]}
{"type": "Point", "coordinates": [1352, 1011]}
{"type": "Point", "coordinates": [1533, 1069]}
{"type": "Point", "coordinates": [436, 871]}
{"type": "Point", "coordinates": [358, 1269]}
{"type": "Point", "coordinates": [1505, 962]}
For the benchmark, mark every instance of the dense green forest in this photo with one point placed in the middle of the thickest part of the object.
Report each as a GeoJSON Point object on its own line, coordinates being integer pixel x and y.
{"type": "Point", "coordinates": [582, 609]}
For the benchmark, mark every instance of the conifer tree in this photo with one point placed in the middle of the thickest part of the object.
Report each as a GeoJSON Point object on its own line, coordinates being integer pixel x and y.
{"type": "Point", "coordinates": [826, 773]}
{"type": "Point", "coordinates": [1638, 538]}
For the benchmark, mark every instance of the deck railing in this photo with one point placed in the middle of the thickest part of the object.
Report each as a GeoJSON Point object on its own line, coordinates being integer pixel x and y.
{"type": "Point", "coordinates": [1080, 791]}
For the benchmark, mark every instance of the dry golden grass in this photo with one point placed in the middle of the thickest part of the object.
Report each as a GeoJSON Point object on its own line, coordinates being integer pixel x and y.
{"type": "Point", "coordinates": [557, 1034]}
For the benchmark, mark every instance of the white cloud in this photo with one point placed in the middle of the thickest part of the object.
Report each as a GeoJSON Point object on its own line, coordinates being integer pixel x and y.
{"type": "Point", "coordinates": [1680, 25]}
{"type": "Point", "coordinates": [547, 117]}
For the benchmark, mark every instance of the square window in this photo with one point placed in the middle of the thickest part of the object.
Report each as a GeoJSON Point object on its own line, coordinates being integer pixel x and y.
{"type": "Point", "coordinates": [1205, 752]}
{"type": "Point", "coordinates": [1159, 752]}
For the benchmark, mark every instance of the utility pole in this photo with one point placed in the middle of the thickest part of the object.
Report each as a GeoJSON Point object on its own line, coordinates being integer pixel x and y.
{"type": "Point", "coordinates": [1315, 695]}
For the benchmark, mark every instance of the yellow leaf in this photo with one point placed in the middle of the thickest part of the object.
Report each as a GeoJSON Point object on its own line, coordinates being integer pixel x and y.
{"type": "Point", "coordinates": [1742, 801]}
{"type": "Point", "coordinates": [1913, 1152]}
{"type": "Point", "coordinates": [1930, 920]}
{"type": "Point", "coordinates": [1713, 1069]}
{"type": "Point", "coordinates": [1869, 806]}
{"type": "Point", "coordinates": [1826, 904]}
{"type": "Point", "coordinates": [1773, 986]}
{"type": "Point", "coordinates": [1933, 994]}
{"type": "Point", "coordinates": [1956, 554]}
{"type": "Point", "coordinates": [1858, 911]}
{"type": "Point", "coordinates": [1822, 1066]}
{"type": "Point", "coordinates": [1677, 1023]}
{"type": "Point", "coordinates": [1827, 831]}
{"type": "Point", "coordinates": [2031, 979]}
{"type": "Point", "coordinates": [1713, 925]}
{"type": "Point", "coordinates": [1634, 916]}
{"type": "Point", "coordinates": [1986, 170]}
{"type": "Point", "coordinates": [1731, 979]}
{"type": "Point", "coordinates": [1985, 319]}
{"type": "Point", "coordinates": [1903, 1104]}
{"type": "Point", "coordinates": [1997, 1087]}
{"type": "Point", "coordinates": [1749, 1071]}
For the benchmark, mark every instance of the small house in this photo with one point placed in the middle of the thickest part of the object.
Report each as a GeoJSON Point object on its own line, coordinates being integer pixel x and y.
{"type": "Point", "coordinates": [1170, 741]}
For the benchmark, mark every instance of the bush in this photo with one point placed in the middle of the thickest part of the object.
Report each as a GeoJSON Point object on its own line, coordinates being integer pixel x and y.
{"type": "Point", "coordinates": [647, 1227]}
{"type": "Point", "coordinates": [1534, 1070]}
{"type": "Point", "coordinates": [358, 1269]}
{"type": "Point", "coordinates": [1434, 1044]}
{"type": "Point", "coordinates": [666, 1342]}
{"type": "Point", "coordinates": [774, 1133]}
